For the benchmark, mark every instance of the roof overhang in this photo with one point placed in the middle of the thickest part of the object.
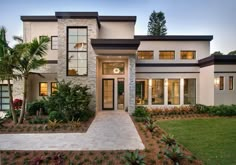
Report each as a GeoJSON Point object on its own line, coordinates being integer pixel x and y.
{"type": "Point", "coordinates": [39, 18]}
{"type": "Point", "coordinates": [218, 60]}
{"type": "Point", "coordinates": [174, 38]}
{"type": "Point", "coordinates": [115, 46]}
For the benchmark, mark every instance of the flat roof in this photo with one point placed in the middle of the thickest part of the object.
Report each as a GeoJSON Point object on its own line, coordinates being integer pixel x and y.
{"type": "Point", "coordinates": [174, 38]}
{"type": "Point", "coordinates": [218, 60]}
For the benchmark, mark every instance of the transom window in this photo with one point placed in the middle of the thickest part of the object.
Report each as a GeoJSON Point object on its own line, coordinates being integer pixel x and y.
{"type": "Point", "coordinates": [145, 55]}
{"type": "Point", "coordinates": [187, 55]}
{"type": "Point", "coordinates": [54, 42]}
{"type": "Point", "coordinates": [43, 89]}
{"type": "Point", "coordinates": [113, 68]}
{"type": "Point", "coordinates": [77, 55]}
{"type": "Point", "coordinates": [166, 55]}
{"type": "Point", "coordinates": [4, 98]}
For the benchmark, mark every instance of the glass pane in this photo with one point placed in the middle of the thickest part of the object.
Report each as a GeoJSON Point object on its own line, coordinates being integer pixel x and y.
{"type": "Point", "coordinates": [72, 71]}
{"type": "Point", "coordinates": [141, 92]}
{"type": "Point", "coordinates": [82, 63]}
{"type": "Point", "coordinates": [5, 94]}
{"type": "Point", "coordinates": [158, 91]}
{"type": "Point", "coordinates": [108, 94]}
{"type": "Point", "coordinates": [221, 83]}
{"type": "Point", "coordinates": [73, 64]}
{"type": "Point", "coordinates": [173, 92]}
{"type": "Point", "coordinates": [188, 55]}
{"type": "Point", "coordinates": [189, 91]}
{"type": "Point", "coordinates": [5, 106]}
{"type": "Point", "coordinates": [53, 87]}
{"type": "Point", "coordinates": [43, 89]}
{"type": "Point", "coordinates": [121, 94]}
{"type": "Point", "coordinates": [4, 88]}
{"type": "Point", "coordinates": [82, 71]}
{"type": "Point", "coordinates": [115, 68]}
{"type": "Point", "coordinates": [72, 56]}
{"type": "Point", "coordinates": [82, 56]}
{"type": "Point", "coordinates": [5, 100]}
{"type": "Point", "coordinates": [144, 55]}
{"type": "Point", "coordinates": [167, 55]}
{"type": "Point", "coordinates": [73, 31]}
{"type": "Point", "coordinates": [72, 47]}
{"type": "Point", "coordinates": [73, 39]}
{"type": "Point", "coordinates": [231, 82]}
{"type": "Point", "coordinates": [82, 31]}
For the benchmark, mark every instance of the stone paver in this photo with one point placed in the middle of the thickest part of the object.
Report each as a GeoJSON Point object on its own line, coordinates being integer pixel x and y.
{"type": "Point", "coordinates": [113, 130]}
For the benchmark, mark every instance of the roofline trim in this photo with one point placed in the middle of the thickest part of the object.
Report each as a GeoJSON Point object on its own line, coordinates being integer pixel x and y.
{"type": "Point", "coordinates": [174, 38]}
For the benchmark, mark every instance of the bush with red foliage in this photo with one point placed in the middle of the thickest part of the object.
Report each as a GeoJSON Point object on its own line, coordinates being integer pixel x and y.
{"type": "Point", "coordinates": [17, 103]}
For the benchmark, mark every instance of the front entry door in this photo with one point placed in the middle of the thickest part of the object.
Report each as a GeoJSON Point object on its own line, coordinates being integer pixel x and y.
{"type": "Point", "coordinates": [108, 94]}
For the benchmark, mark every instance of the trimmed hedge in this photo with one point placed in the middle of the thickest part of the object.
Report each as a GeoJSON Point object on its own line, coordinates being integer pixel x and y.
{"type": "Point", "coordinates": [35, 106]}
{"type": "Point", "coordinates": [220, 110]}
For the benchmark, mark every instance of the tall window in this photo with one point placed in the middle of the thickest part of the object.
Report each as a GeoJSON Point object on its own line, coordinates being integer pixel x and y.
{"type": "Point", "coordinates": [4, 98]}
{"type": "Point", "coordinates": [231, 82]}
{"type": "Point", "coordinates": [77, 54]}
{"type": "Point", "coordinates": [221, 83]}
{"type": "Point", "coordinates": [173, 92]}
{"type": "Point", "coordinates": [54, 42]}
{"type": "Point", "coordinates": [141, 92]}
{"type": "Point", "coordinates": [188, 55]}
{"type": "Point", "coordinates": [189, 91]}
{"type": "Point", "coordinates": [53, 87]}
{"type": "Point", "coordinates": [43, 89]}
{"type": "Point", "coordinates": [158, 91]}
{"type": "Point", "coordinates": [167, 55]}
{"type": "Point", "coordinates": [113, 68]}
{"type": "Point", "coordinates": [145, 55]}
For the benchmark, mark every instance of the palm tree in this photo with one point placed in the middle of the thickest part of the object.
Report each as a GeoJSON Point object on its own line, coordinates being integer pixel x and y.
{"type": "Point", "coordinates": [29, 56]}
{"type": "Point", "coordinates": [7, 62]}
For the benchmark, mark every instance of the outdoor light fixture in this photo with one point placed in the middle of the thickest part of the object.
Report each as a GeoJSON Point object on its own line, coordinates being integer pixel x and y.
{"type": "Point", "coordinates": [116, 70]}
{"type": "Point", "coordinates": [217, 81]}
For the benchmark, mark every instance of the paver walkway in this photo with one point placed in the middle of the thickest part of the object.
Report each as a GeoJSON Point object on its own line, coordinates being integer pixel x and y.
{"type": "Point", "coordinates": [109, 131]}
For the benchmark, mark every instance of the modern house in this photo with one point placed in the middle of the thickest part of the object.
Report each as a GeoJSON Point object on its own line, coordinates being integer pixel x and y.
{"type": "Point", "coordinates": [123, 70]}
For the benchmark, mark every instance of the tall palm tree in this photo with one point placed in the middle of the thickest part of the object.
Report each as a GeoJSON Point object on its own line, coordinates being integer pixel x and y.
{"type": "Point", "coordinates": [7, 62]}
{"type": "Point", "coordinates": [30, 56]}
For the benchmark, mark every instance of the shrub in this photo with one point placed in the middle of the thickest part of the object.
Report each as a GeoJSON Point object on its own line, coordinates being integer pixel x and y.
{"type": "Point", "coordinates": [53, 124]}
{"type": "Point", "coordinates": [35, 106]}
{"type": "Point", "coordinates": [56, 115]}
{"type": "Point", "coordinates": [168, 140]}
{"type": "Point", "coordinates": [70, 100]}
{"type": "Point", "coordinates": [175, 154]}
{"type": "Point", "coordinates": [220, 110]}
{"type": "Point", "coordinates": [151, 125]}
{"type": "Point", "coordinates": [17, 103]}
{"type": "Point", "coordinates": [9, 115]}
{"type": "Point", "coordinates": [133, 158]}
{"type": "Point", "coordinates": [38, 120]}
{"type": "Point", "coordinates": [85, 115]}
{"type": "Point", "coordinates": [140, 111]}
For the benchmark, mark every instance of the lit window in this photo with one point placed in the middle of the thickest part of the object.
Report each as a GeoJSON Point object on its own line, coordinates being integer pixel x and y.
{"type": "Point", "coordinates": [158, 91]}
{"type": "Point", "coordinates": [231, 82]}
{"type": "Point", "coordinates": [141, 92]}
{"type": "Point", "coordinates": [54, 42]}
{"type": "Point", "coordinates": [77, 55]}
{"type": "Point", "coordinates": [4, 98]}
{"type": "Point", "coordinates": [53, 87]}
{"type": "Point", "coordinates": [173, 92]}
{"type": "Point", "coordinates": [145, 55]}
{"type": "Point", "coordinates": [113, 68]}
{"type": "Point", "coordinates": [221, 83]}
{"type": "Point", "coordinates": [43, 89]}
{"type": "Point", "coordinates": [189, 91]}
{"type": "Point", "coordinates": [188, 55]}
{"type": "Point", "coordinates": [167, 55]}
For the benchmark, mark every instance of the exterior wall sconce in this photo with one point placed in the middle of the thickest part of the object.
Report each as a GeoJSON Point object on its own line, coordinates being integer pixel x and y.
{"type": "Point", "coordinates": [217, 81]}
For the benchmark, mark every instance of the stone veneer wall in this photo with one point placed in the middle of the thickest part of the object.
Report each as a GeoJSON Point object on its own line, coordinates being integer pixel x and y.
{"type": "Point", "coordinates": [89, 80]}
{"type": "Point", "coordinates": [131, 83]}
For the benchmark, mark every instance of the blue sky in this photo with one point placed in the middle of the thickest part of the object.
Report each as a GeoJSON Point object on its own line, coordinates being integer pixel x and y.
{"type": "Point", "coordinates": [184, 17]}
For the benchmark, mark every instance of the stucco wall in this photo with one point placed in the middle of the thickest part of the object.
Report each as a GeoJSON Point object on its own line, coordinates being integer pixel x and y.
{"type": "Point", "coordinates": [225, 96]}
{"type": "Point", "coordinates": [35, 29]}
{"type": "Point", "coordinates": [116, 30]}
{"type": "Point", "coordinates": [202, 49]}
{"type": "Point", "coordinates": [207, 85]}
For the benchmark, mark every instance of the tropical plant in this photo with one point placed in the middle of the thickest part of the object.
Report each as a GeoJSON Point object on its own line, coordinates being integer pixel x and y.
{"type": "Point", "coordinates": [56, 115]}
{"type": "Point", "coordinates": [133, 158]}
{"type": "Point", "coordinates": [7, 62]}
{"type": "Point", "coordinates": [29, 57]}
{"type": "Point", "coordinates": [157, 24]}
{"type": "Point", "coordinates": [1, 122]}
{"type": "Point", "coordinates": [151, 125]}
{"type": "Point", "coordinates": [175, 154]}
{"type": "Point", "coordinates": [53, 124]}
{"type": "Point", "coordinates": [140, 111]}
{"type": "Point", "coordinates": [168, 140]}
{"type": "Point", "coordinates": [74, 124]}
{"type": "Point", "coordinates": [36, 106]}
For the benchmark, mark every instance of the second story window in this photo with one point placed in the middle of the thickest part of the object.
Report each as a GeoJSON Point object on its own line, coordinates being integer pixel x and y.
{"type": "Point", "coordinates": [188, 55]}
{"type": "Point", "coordinates": [77, 51]}
{"type": "Point", "coordinates": [43, 89]}
{"type": "Point", "coordinates": [54, 42]}
{"type": "Point", "coordinates": [167, 55]}
{"type": "Point", "coordinates": [145, 55]}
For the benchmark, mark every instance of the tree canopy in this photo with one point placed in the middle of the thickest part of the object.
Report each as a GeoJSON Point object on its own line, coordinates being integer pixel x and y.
{"type": "Point", "coordinates": [157, 24]}
{"type": "Point", "coordinates": [232, 52]}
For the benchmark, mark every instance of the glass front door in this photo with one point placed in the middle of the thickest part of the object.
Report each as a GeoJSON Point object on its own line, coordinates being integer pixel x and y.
{"type": "Point", "coordinates": [120, 93]}
{"type": "Point", "coordinates": [108, 94]}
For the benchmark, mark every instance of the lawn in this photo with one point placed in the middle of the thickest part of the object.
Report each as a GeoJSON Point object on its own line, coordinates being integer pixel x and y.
{"type": "Point", "coordinates": [212, 140]}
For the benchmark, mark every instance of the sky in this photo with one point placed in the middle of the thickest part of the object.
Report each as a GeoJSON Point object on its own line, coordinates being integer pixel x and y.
{"type": "Point", "coordinates": [184, 17]}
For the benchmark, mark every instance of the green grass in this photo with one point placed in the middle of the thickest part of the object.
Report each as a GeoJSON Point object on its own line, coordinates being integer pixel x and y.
{"type": "Point", "coordinates": [211, 140]}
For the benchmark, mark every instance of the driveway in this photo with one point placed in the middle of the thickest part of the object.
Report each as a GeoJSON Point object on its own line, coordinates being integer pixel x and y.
{"type": "Point", "coordinates": [111, 130]}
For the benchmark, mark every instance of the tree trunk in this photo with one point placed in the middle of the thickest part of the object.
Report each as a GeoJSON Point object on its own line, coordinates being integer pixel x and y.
{"type": "Point", "coordinates": [22, 113]}
{"type": "Point", "coordinates": [11, 102]}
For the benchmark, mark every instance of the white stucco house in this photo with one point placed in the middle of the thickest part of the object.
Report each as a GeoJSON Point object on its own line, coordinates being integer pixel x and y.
{"type": "Point", "coordinates": [122, 69]}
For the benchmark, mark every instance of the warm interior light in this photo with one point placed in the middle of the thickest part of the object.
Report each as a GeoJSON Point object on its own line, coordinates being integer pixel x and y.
{"type": "Point", "coordinates": [116, 70]}
{"type": "Point", "coordinates": [217, 81]}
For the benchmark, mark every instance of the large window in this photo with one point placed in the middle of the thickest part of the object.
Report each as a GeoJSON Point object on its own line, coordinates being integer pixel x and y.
{"type": "Point", "coordinates": [221, 83]}
{"type": "Point", "coordinates": [231, 82]}
{"type": "Point", "coordinates": [189, 91]}
{"type": "Point", "coordinates": [141, 92]}
{"type": "Point", "coordinates": [43, 89]}
{"type": "Point", "coordinates": [173, 91]}
{"type": "Point", "coordinates": [158, 91]}
{"type": "Point", "coordinates": [113, 68]}
{"type": "Point", "coordinates": [54, 42]}
{"type": "Point", "coordinates": [167, 55]}
{"type": "Point", "coordinates": [77, 54]}
{"type": "Point", "coordinates": [188, 55]}
{"type": "Point", "coordinates": [4, 98]}
{"type": "Point", "coordinates": [145, 55]}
